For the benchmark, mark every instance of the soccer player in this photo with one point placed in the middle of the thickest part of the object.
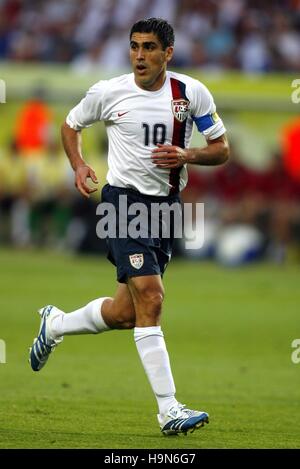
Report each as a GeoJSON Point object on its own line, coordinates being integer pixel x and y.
{"type": "Point", "coordinates": [149, 116]}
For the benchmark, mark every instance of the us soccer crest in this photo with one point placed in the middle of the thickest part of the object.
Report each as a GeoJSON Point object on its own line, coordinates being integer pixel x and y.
{"type": "Point", "coordinates": [137, 260]}
{"type": "Point", "coordinates": [180, 108]}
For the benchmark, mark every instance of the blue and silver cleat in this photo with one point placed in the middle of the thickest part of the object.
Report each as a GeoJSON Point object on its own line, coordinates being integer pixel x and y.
{"type": "Point", "coordinates": [44, 344]}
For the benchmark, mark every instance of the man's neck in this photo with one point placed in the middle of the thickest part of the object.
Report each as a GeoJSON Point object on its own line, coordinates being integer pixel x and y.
{"type": "Point", "coordinates": [157, 85]}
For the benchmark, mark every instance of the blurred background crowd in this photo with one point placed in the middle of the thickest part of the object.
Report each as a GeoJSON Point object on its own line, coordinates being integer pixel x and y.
{"type": "Point", "coordinates": [249, 35]}
{"type": "Point", "coordinates": [252, 204]}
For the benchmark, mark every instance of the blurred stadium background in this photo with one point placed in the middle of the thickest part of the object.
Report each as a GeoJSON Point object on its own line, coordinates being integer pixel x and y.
{"type": "Point", "coordinates": [248, 54]}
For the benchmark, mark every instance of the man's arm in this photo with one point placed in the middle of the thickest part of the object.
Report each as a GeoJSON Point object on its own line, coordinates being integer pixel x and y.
{"type": "Point", "coordinates": [170, 156]}
{"type": "Point", "coordinates": [71, 140]}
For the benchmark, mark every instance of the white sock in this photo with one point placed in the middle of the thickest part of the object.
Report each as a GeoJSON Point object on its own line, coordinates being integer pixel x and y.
{"type": "Point", "coordinates": [153, 353]}
{"type": "Point", "coordinates": [86, 320]}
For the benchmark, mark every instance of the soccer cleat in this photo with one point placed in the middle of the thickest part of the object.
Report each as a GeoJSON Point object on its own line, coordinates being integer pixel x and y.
{"type": "Point", "coordinates": [179, 419]}
{"type": "Point", "coordinates": [44, 344]}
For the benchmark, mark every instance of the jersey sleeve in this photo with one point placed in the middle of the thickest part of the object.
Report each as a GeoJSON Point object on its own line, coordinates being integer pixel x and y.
{"type": "Point", "coordinates": [204, 113]}
{"type": "Point", "coordinates": [90, 109]}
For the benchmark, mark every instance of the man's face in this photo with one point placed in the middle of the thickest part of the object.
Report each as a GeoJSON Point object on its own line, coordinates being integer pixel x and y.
{"type": "Point", "coordinates": [148, 60]}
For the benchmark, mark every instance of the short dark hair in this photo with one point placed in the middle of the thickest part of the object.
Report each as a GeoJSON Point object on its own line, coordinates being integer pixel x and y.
{"type": "Point", "coordinates": [163, 30]}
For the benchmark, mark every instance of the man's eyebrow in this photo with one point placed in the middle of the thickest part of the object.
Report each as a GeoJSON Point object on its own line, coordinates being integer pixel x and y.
{"type": "Point", "coordinates": [146, 43]}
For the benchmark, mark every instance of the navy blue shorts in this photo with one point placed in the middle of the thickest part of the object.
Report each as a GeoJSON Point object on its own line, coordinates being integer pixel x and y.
{"type": "Point", "coordinates": [145, 254]}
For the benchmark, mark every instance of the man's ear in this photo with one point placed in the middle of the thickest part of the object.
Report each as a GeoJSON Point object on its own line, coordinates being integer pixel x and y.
{"type": "Point", "coordinates": [169, 53]}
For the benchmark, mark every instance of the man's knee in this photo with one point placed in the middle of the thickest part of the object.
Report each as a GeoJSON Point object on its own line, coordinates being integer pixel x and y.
{"type": "Point", "coordinates": [148, 297]}
{"type": "Point", "coordinates": [152, 298]}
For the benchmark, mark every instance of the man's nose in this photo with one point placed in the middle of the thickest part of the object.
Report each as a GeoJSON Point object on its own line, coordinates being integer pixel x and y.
{"type": "Point", "coordinates": [140, 54]}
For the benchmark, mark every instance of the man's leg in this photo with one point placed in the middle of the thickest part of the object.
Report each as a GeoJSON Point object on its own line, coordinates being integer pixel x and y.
{"type": "Point", "coordinates": [119, 312]}
{"type": "Point", "coordinates": [148, 294]}
{"type": "Point", "coordinates": [97, 316]}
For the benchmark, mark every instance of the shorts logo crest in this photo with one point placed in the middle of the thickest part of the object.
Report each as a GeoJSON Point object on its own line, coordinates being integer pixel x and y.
{"type": "Point", "coordinates": [137, 260]}
{"type": "Point", "coordinates": [180, 108]}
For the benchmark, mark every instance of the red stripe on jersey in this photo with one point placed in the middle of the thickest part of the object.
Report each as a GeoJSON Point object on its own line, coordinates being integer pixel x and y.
{"type": "Point", "coordinates": [178, 138]}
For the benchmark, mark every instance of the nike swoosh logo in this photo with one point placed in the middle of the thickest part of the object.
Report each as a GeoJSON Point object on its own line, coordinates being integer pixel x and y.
{"type": "Point", "coordinates": [120, 114]}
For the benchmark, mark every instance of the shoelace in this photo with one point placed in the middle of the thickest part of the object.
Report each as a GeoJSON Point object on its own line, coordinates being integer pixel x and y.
{"type": "Point", "coordinates": [183, 408]}
{"type": "Point", "coordinates": [54, 342]}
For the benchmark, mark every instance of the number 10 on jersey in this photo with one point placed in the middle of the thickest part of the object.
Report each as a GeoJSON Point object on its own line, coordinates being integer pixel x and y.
{"type": "Point", "coordinates": [154, 135]}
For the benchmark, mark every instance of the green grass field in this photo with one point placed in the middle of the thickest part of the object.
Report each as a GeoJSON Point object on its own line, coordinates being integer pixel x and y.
{"type": "Point", "coordinates": [228, 332]}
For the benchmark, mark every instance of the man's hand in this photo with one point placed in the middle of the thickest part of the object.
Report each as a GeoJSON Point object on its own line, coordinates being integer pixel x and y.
{"type": "Point", "coordinates": [81, 174]}
{"type": "Point", "coordinates": [169, 156]}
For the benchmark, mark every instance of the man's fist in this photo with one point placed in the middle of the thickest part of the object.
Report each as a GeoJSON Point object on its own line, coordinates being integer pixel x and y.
{"type": "Point", "coordinates": [82, 173]}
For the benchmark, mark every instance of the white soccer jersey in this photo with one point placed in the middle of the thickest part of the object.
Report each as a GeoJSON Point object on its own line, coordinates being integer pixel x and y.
{"type": "Point", "coordinates": [137, 120]}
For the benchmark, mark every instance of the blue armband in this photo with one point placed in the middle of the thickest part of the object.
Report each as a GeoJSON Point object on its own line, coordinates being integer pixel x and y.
{"type": "Point", "coordinates": [204, 122]}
